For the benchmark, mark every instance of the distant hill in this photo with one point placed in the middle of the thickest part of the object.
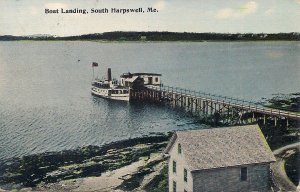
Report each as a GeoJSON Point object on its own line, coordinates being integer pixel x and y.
{"type": "Point", "coordinates": [163, 36]}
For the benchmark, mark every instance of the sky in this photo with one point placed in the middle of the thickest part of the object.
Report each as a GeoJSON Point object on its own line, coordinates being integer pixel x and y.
{"type": "Point", "coordinates": [27, 17]}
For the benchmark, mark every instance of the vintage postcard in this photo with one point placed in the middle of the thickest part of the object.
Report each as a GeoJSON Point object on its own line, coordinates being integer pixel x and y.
{"type": "Point", "coordinates": [149, 95]}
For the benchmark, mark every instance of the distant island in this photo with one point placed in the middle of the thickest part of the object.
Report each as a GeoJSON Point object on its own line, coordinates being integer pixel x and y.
{"type": "Point", "coordinates": [163, 36]}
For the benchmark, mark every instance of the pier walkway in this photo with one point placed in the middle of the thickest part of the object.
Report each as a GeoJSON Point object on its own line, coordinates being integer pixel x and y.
{"type": "Point", "coordinates": [215, 106]}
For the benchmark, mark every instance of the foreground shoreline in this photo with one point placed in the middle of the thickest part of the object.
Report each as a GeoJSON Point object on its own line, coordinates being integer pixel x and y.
{"type": "Point", "coordinates": [39, 171]}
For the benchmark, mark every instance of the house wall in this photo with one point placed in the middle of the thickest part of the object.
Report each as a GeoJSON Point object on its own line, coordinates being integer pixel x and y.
{"type": "Point", "coordinates": [178, 177]}
{"type": "Point", "coordinates": [228, 179]}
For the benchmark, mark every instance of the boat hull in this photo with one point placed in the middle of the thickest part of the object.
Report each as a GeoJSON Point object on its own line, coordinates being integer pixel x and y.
{"type": "Point", "coordinates": [119, 97]}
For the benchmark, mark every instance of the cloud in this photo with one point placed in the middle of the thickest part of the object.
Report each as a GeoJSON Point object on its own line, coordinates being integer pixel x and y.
{"type": "Point", "coordinates": [33, 10]}
{"type": "Point", "coordinates": [249, 7]}
{"type": "Point", "coordinates": [160, 5]}
{"type": "Point", "coordinates": [55, 5]}
{"type": "Point", "coordinates": [269, 12]}
{"type": "Point", "coordinates": [230, 13]}
{"type": "Point", "coordinates": [225, 13]}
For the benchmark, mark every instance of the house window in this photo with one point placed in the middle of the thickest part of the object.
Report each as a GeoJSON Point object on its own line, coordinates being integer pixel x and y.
{"type": "Point", "coordinates": [174, 186]}
{"type": "Point", "coordinates": [174, 166]}
{"type": "Point", "coordinates": [244, 173]}
{"type": "Point", "coordinates": [185, 175]}
{"type": "Point", "coordinates": [179, 148]}
{"type": "Point", "coordinates": [156, 79]}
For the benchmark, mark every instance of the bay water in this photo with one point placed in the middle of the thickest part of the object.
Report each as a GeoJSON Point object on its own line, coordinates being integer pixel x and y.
{"type": "Point", "coordinates": [46, 104]}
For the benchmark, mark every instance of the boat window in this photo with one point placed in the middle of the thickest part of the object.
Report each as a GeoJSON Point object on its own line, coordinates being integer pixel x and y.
{"type": "Point", "coordinates": [150, 80]}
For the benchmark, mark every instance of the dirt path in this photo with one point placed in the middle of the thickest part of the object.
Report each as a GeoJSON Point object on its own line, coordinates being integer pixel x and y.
{"type": "Point", "coordinates": [280, 179]}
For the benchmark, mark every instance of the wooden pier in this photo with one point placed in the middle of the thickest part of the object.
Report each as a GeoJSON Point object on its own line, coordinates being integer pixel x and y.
{"type": "Point", "coordinates": [215, 108]}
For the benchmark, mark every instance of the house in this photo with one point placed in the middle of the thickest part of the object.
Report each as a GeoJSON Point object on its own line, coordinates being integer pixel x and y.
{"type": "Point", "coordinates": [140, 79]}
{"type": "Point", "coordinates": [143, 38]}
{"type": "Point", "coordinates": [219, 159]}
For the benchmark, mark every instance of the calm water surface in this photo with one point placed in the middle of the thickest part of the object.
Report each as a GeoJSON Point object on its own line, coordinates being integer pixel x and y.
{"type": "Point", "coordinates": [46, 105]}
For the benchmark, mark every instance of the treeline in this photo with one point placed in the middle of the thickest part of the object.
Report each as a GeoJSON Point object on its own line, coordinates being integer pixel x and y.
{"type": "Point", "coordinates": [164, 36]}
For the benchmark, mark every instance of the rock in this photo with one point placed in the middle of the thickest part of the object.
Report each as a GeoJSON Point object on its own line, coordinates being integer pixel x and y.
{"type": "Point", "coordinates": [26, 189]}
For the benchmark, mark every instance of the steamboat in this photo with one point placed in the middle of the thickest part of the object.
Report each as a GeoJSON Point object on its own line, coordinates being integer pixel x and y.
{"type": "Point", "coordinates": [110, 88]}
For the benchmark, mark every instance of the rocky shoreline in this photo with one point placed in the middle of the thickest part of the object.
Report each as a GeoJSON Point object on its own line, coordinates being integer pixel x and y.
{"type": "Point", "coordinates": [287, 102]}
{"type": "Point", "coordinates": [52, 167]}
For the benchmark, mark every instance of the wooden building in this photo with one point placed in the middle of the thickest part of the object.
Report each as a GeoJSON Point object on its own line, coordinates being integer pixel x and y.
{"type": "Point", "coordinates": [140, 79]}
{"type": "Point", "coordinates": [219, 159]}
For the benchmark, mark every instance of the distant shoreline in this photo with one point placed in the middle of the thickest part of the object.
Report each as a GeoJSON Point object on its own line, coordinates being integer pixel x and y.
{"type": "Point", "coordinates": [161, 41]}
{"type": "Point", "coordinates": [161, 36]}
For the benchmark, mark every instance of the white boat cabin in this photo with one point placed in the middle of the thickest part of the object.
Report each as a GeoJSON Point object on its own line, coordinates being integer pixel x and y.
{"type": "Point", "coordinates": [140, 79]}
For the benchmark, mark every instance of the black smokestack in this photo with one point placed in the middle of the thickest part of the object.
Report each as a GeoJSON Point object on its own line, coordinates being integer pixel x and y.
{"type": "Point", "coordinates": [109, 74]}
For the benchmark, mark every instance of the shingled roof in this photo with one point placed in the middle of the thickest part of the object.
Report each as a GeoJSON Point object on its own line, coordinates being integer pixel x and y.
{"type": "Point", "coordinates": [223, 147]}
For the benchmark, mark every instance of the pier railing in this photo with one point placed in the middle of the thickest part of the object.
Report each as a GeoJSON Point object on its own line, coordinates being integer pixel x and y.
{"type": "Point", "coordinates": [231, 101]}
